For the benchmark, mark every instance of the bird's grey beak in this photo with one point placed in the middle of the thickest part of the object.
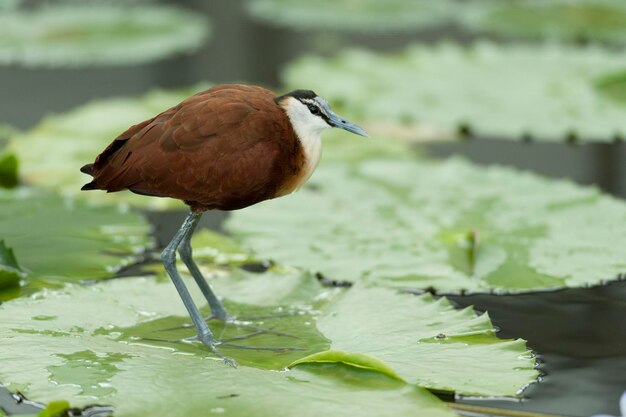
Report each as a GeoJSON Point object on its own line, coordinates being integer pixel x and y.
{"type": "Point", "coordinates": [342, 123]}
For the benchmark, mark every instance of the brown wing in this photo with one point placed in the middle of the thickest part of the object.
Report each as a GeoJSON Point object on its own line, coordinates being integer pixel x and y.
{"type": "Point", "coordinates": [226, 147]}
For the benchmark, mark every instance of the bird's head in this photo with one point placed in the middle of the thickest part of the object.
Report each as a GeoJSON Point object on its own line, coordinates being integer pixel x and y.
{"type": "Point", "coordinates": [310, 114]}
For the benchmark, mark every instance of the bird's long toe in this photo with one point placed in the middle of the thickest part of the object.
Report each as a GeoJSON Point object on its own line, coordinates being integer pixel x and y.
{"type": "Point", "coordinates": [212, 343]}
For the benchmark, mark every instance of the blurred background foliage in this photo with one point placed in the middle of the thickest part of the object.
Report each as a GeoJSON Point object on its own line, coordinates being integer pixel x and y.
{"type": "Point", "coordinates": [536, 85]}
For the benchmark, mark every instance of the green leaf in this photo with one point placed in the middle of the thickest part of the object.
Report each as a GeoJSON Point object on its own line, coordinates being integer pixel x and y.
{"type": "Point", "coordinates": [10, 271]}
{"type": "Point", "coordinates": [451, 226]}
{"type": "Point", "coordinates": [52, 153]}
{"type": "Point", "coordinates": [8, 171]}
{"type": "Point", "coordinates": [97, 34]}
{"type": "Point", "coordinates": [545, 92]}
{"type": "Point", "coordinates": [358, 360]}
{"type": "Point", "coordinates": [563, 20]}
{"type": "Point", "coordinates": [426, 341]}
{"type": "Point", "coordinates": [349, 15]}
{"type": "Point", "coordinates": [80, 355]}
{"type": "Point", "coordinates": [59, 240]}
{"type": "Point", "coordinates": [55, 409]}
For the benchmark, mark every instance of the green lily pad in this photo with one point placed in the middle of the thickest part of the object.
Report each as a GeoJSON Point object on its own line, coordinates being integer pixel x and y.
{"type": "Point", "coordinates": [97, 34]}
{"type": "Point", "coordinates": [427, 342]}
{"type": "Point", "coordinates": [59, 240]}
{"type": "Point", "coordinates": [47, 358]}
{"type": "Point", "coordinates": [549, 92]}
{"type": "Point", "coordinates": [52, 153]}
{"type": "Point", "coordinates": [451, 226]}
{"type": "Point", "coordinates": [563, 20]}
{"type": "Point", "coordinates": [350, 15]}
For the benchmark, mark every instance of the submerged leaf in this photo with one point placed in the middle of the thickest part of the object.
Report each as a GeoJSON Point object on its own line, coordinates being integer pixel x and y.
{"type": "Point", "coordinates": [97, 34]}
{"type": "Point", "coordinates": [52, 153]}
{"type": "Point", "coordinates": [58, 239]}
{"type": "Point", "coordinates": [508, 92]}
{"type": "Point", "coordinates": [406, 223]}
{"type": "Point", "coordinates": [47, 358]}
{"type": "Point", "coordinates": [426, 341]}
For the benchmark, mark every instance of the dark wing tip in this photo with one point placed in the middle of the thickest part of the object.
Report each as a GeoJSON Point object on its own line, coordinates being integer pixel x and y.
{"type": "Point", "coordinates": [87, 169]}
{"type": "Point", "coordinates": [89, 186]}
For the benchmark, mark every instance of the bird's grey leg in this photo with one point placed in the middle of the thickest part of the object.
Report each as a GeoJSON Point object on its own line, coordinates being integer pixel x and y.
{"type": "Point", "coordinates": [184, 249]}
{"type": "Point", "coordinates": [168, 256]}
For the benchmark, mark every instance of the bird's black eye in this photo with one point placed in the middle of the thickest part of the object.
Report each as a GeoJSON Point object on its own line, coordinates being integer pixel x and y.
{"type": "Point", "coordinates": [313, 109]}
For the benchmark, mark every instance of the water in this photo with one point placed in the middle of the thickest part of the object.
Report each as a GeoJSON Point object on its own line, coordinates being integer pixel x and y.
{"type": "Point", "coordinates": [580, 334]}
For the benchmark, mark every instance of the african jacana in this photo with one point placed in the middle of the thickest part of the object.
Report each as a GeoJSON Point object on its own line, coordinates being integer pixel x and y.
{"type": "Point", "coordinates": [225, 148]}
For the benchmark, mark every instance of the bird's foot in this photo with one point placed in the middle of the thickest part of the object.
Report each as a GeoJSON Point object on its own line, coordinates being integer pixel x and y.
{"type": "Point", "coordinates": [212, 343]}
{"type": "Point", "coordinates": [209, 341]}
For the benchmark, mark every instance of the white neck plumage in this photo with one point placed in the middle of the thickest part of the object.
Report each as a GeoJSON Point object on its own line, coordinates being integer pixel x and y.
{"type": "Point", "coordinates": [308, 128]}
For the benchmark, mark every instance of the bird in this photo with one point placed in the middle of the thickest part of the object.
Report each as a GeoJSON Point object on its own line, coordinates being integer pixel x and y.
{"type": "Point", "coordinates": [225, 148]}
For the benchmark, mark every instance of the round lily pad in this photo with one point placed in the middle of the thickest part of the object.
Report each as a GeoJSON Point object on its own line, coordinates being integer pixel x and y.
{"type": "Point", "coordinates": [350, 15]}
{"type": "Point", "coordinates": [112, 327]}
{"type": "Point", "coordinates": [77, 354]}
{"type": "Point", "coordinates": [562, 20]}
{"type": "Point", "coordinates": [449, 226]}
{"type": "Point", "coordinates": [73, 35]}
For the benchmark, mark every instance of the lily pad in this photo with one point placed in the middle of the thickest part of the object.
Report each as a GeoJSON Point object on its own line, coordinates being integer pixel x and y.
{"type": "Point", "coordinates": [548, 93]}
{"type": "Point", "coordinates": [47, 358]}
{"type": "Point", "coordinates": [97, 34]}
{"type": "Point", "coordinates": [350, 15]}
{"type": "Point", "coordinates": [563, 20]}
{"type": "Point", "coordinates": [59, 240]}
{"type": "Point", "coordinates": [426, 341]}
{"type": "Point", "coordinates": [449, 226]}
{"type": "Point", "coordinates": [52, 153]}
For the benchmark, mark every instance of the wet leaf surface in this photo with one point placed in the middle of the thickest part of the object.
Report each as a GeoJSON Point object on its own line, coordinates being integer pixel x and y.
{"type": "Point", "coordinates": [80, 353]}
{"type": "Point", "coordinates": [97, 34]}
{"type": "Point", "coordinates": [548, 93]}
{"type": "Point", "coordinates": [60, 240]}
{"type": "Point", "coordinates": [52, 153]}
{"type": "Point", "coordinates": [449, 226]}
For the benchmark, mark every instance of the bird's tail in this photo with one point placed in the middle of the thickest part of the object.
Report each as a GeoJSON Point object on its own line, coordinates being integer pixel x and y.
{"type": "Point", "coordinates": [88, 169]}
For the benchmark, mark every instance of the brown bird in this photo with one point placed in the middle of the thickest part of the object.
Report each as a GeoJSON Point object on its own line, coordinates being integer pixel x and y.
{"type": "Point", "coordinates": [225, 148]}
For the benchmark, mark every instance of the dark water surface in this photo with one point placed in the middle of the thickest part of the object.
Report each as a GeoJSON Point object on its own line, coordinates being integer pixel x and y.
{"type": "Point", "coordinates": [579, 334]}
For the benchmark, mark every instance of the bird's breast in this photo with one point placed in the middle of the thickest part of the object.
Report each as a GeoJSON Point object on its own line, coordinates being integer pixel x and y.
{"type": "Point", "coordinates": [310, 149]}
